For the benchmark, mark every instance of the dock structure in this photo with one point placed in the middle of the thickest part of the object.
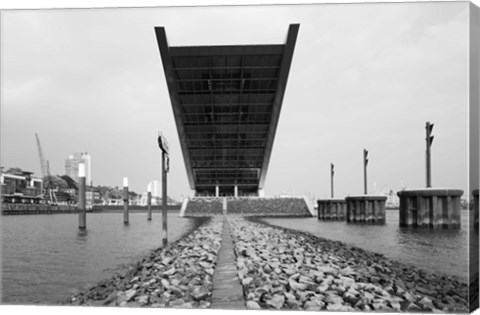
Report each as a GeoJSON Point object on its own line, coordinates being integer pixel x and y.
{"type": "Point", "coordinates": [430, 207]}
{"type": "Point", "coordinates": [331, 209]}
{"type": "Point", "coordinates": [366, 209]}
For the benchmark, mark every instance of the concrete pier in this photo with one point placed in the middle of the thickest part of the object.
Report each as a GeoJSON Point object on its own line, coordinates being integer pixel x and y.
{"type": "Point", "coordinates": [475, 208]}
{"type": "Point", "coordinates": [366, 209]}
{"type": "Point", "coordinates": [331, 209]}
{"type": "Point", "coordinates": [430, 207]}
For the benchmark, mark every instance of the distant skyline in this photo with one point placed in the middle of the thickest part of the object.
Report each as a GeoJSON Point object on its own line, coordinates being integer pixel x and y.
{"type": "Point", "coordinates": [362, 76]}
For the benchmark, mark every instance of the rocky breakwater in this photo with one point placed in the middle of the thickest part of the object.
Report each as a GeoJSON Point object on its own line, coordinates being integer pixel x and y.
{"type": "Point", "coordinates": [179, 275]}
{"type": "Point", "coordinates": [286, 269]}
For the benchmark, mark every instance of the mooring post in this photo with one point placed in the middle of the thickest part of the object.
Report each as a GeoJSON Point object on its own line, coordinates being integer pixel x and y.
{"type": "Point", "coordinates": [125, 200]}
{"type": "Point", "coordinates": [149, 202]}
{"type": "Point", "coordinates": [82, 215]}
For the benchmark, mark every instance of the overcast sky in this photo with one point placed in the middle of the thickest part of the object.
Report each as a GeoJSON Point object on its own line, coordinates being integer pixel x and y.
{"type": "Point", "coordinates": [362, 76]}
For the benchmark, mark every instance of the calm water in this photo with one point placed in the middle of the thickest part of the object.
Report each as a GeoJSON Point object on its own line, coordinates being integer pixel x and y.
{"type": "Point", "coordinates": [44, 258]}
{"type": "Point", "coordinates": [442, 251]}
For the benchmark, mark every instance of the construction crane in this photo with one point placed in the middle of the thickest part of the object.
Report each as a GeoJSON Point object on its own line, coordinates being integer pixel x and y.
{"type": "Point", "coordinates": [45, 167]}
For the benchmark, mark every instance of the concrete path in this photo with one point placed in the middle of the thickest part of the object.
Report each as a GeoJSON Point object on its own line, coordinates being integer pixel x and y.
{"type": "Point", "coordinates": [227, 290]}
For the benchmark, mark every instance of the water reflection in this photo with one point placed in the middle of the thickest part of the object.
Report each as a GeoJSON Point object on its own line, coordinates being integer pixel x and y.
{"type": "Point", "coordinates": [55, 258]}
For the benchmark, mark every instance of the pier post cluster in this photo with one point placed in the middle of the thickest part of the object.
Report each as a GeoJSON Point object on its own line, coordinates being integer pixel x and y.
{"type": "Point", "coordinates": [429, 207]}
{"type": "Point", "coordinates": [354, 209]}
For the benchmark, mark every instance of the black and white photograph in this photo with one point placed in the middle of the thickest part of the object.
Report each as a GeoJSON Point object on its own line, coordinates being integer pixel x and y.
{"type": "Point", "coordinates": [286, 157]}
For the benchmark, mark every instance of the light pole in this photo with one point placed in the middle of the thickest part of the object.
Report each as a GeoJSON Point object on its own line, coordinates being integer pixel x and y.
{"type": "Point", "coordinates": [365, 163]}
{"type": "Point", "coordinates": [332, 172]}
{"type": "Point", "coordinates": [163, 144]}
{"type": "Point", "coordinates": [429, 140]}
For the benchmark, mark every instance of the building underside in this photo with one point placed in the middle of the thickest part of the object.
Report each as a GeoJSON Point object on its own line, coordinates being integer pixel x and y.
{"type": "Point", "coordinates": [226, 101]}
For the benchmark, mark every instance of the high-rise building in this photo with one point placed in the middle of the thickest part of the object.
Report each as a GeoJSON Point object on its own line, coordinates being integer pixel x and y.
{"type": "Point", "coordinates": [71, 166]}
{"type": "Point", "coordinates": [156, 186]}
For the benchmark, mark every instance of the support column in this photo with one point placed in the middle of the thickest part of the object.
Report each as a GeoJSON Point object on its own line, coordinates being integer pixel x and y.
{"type": "Point", "coordinates": [217, 191]}
{"type": "Point", "coordinates": [235, 191]}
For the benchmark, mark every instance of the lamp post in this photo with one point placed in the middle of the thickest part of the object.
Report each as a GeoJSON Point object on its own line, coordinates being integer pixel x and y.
{"type": "Point", "coordinates": [163, 145]}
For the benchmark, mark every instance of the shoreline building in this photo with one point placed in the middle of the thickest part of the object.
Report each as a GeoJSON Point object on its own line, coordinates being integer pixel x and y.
{"type": "Point", "coordinates": [156, 187]}
{"type": "Point", "coordinates": [21, 187]}
{"type": "Point", "coordinates": [71, 166]}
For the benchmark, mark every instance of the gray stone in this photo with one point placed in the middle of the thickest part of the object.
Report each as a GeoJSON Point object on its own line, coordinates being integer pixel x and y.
{"type": "Point", "coordinates": [276, 301]}
{"type": "Point", "coordinates": [425, 291]}
{"type": "Point", "coordinates": [170, 272]}
{"type": "Point", "coordinates": [328, 270]}
{"type": "Point", "coordinates": [297, 286]}
{"type": "Point", "coordinates": [130, 294]}
{"type": "Point", "coordinates": [252, 305]}
{"type": "Point", "coordinates": [426, 303]}
{"type": "Point", "coordinates": [246, 282]}
{"type": "Point", "coordinates": [177, 303]}
{"type": "Point", "coordinates": [143, 299]}
{"type": "Point", "coordinates": [350, 297]}
{"type": "Point", "coordinates": [333, 299]}
{"type": "Point", "coordinates": [322, 288]}
{"type": "Point", "coordinates": [200, 293]}
{"type": "Point", "coordinates": [313, 304]}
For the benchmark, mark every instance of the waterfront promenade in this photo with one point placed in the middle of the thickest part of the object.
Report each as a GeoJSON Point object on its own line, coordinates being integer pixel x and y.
{"type": "Point", "coordinates": [276, 268]}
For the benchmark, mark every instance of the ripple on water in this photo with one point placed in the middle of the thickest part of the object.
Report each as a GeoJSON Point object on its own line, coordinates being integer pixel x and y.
{"type": "Point", "coordinates": [45, 258]}
{"type": "Point", "coordinates": [438, 250]}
